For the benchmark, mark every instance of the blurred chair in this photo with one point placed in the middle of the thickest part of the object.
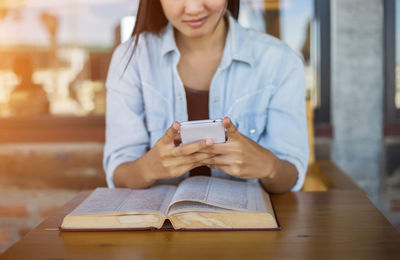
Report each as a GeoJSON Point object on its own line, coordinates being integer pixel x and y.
{"type": "Point", "coordinates": [315, 181]}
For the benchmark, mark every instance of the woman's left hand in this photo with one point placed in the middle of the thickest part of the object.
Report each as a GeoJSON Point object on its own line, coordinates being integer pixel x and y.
{"type": "Point", "coordinates": [241, 157]}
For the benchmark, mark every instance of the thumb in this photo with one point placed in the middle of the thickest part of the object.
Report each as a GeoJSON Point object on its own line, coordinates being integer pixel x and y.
{"type": "Point", "coordinates": [231, 130]}
{"type": "Point", "coordinates": [172, 131]}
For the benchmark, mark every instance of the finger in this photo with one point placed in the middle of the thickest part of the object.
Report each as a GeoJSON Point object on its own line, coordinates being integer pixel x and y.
{"type": "Point", "coordinates": [187, 149]}
{"type": "Point", "coordinates": [216, 149]}
{"type": "Point", "coordinates": [197, 158]}
{"type": "Point", "coordinates": [184, 168]}
{"type": "Point", "coordinates": [172, 131]}
{"type": "Point", "coordinates": [218, 160]}
{"type": "Point", "coordinates": [225, 148]}
{"type": "Point", "coordinates": [231, 130]}
{"type": "Point", "coordinates": [186, 160]}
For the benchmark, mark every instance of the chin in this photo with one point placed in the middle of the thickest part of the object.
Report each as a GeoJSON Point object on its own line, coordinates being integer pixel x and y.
{"type": "Point", "coordinates": [195, 33]}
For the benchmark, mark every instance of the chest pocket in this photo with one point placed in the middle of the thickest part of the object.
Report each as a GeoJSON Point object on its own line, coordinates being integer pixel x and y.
{"type": "Point", "coordinates": [252, 125]}
{"type": "Point", "coordinates": [249, 113]}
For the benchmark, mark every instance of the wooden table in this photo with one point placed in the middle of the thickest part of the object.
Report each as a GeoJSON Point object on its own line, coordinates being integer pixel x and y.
{"type": "Point", "coordinates": [337, 224]}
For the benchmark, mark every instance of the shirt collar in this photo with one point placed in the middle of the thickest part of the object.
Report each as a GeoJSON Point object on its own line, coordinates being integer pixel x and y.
{"type": "Point", "coordinates": [168, 40]}
{"type": "Point", "coordinates": [235, 46]}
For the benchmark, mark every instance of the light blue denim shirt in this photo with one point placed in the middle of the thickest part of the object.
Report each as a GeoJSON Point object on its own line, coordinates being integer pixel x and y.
{"type": "Point", "coordinates": [259, 84]}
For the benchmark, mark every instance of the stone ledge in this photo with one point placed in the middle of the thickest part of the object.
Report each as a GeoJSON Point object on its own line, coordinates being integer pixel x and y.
{"type": "Point", "coordinates": [67, 166]}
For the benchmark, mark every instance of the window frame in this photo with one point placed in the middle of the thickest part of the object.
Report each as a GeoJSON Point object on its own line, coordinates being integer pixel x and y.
{"type": "Point", "coordinates": [53, 128]}
{"type": "Point", "coordinates": [323, 16]}
{"type": "Point", "coordinates": [392, 113]}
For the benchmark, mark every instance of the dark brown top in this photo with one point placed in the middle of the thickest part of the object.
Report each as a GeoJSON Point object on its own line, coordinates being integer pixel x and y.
{"type": "Point", "coordinates": [197, 107]}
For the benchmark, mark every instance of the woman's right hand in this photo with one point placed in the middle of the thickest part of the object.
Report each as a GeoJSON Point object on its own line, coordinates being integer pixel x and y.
{"type": "Point", "coordinates": [168, 160]}
{"type": "Point", "coordinates": [165, 160]}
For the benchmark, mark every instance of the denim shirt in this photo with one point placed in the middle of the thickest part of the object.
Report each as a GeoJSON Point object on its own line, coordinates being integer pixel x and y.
{"type": "Point", "coordinates": [259, 84]}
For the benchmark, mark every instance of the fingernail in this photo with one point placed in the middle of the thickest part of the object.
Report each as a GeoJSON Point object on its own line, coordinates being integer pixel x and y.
{"type": "Point", "coordinates": [176, 125]}
{"type": "Point", "coordinates": [226, 121]}
{"type": "Point", "coordinates": [209, 142]}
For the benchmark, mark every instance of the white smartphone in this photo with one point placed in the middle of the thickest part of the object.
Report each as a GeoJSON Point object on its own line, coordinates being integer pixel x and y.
{"type": "Point", "coordinates": [194, 131]}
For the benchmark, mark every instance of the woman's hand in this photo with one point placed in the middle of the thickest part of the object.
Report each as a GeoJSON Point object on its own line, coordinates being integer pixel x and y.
{"type": "Point", "coordinates": [167, 160]}
{"type": "Point", "coordinates": [241, 157]}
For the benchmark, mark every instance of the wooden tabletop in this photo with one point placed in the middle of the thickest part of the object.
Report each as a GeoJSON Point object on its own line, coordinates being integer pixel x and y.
{"type": "Point", "coordinates": [339, 224]}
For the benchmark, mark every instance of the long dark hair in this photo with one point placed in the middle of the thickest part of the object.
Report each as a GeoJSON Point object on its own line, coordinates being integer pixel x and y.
{"type": "Point", "coordinates": [151, 18]}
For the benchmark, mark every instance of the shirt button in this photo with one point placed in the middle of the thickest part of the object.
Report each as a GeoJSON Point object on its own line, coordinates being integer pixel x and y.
{"type": "Point", "coordinates": [252, 131]}
{"type": "Point", "coordinates": [180, 97]}
{"type": "Point", "coordinates": [215, 100]}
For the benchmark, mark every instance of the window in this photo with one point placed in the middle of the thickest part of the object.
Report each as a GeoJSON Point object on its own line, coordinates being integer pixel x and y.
{"type": "Point", "coordinates": [291, 21]}
{"type": "Point", "coordinates": [55, 55]}
{"type": "Point", "coordinates": [304, 26]}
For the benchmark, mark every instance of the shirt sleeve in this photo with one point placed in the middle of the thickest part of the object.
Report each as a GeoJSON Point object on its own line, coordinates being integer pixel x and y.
{"type": "Point", "coordinates": [126, 135]}
{"type": "Point", "coordinates": [286, 132]}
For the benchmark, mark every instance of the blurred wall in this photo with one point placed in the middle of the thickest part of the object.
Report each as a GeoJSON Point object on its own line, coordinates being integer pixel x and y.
{"type": "Point", "coordinates": [36, 179]}
{"type": "Point", "coordinates": [357, 90]}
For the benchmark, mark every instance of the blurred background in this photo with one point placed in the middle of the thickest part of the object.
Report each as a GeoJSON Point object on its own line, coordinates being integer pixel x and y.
{"type": "Point", "coordinates": [54, 57]}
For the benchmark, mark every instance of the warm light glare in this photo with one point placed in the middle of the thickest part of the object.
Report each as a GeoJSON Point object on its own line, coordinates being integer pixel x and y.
{"type": "Point", "coordinates": [70, 43]}
{"type": "Point", "coordinates": [127, 25]}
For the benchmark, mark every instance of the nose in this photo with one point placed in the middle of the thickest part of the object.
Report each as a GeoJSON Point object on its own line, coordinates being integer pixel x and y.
{"type": "Point", "coordinates": [194, 7]}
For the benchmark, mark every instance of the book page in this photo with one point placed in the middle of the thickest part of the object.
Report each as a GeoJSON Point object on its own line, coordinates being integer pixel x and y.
{"type": "Point", "coordinates": [105, 200]}
{"type": "Point", "coordinates": [192, 189]}
{"type": "Point", "coordinates": [186, 206]}
{"type": "Point", "coordinates": [222, 193]}
{"type": "Point", "coordinates": [101, 200]}
{"type": "Point", "coordinates": [155, 199]}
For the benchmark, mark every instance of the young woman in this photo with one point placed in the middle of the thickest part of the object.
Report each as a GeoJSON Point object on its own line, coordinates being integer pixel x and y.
{"type": "Point", "coordinates": [190, 59]}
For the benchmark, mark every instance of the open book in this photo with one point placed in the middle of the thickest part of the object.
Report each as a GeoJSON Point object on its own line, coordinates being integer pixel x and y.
{"type": "Point", "coordinates": [197, 203]}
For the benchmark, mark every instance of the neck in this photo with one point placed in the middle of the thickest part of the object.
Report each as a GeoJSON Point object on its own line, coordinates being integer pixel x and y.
{"type": "Point", "coordinates": [209, 42]}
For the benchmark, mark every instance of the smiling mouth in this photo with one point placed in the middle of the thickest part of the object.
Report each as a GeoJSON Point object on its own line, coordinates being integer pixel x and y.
{"type": "Point", "coordinates": [196, 23]}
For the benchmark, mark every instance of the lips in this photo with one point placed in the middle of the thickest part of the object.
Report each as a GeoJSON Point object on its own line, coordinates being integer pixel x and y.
{"type": "Point", "coordinates": [196, 23]}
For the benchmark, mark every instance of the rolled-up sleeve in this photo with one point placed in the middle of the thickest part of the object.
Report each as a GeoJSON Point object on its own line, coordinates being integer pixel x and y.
{"type": "Point", "coordinates": [286, 133]}
{"type": "Point", "coordinates": [126, 135]}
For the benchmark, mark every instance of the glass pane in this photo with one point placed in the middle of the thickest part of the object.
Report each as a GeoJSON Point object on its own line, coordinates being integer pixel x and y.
{"type": "Point", "coordinates": [62, 48]}
{"type": "Point", "coordinates": [293, 21]}
{"type": "Point", "coordinates": [397, 46]}
{"type": "Point", "coordinates": [55, 54]}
